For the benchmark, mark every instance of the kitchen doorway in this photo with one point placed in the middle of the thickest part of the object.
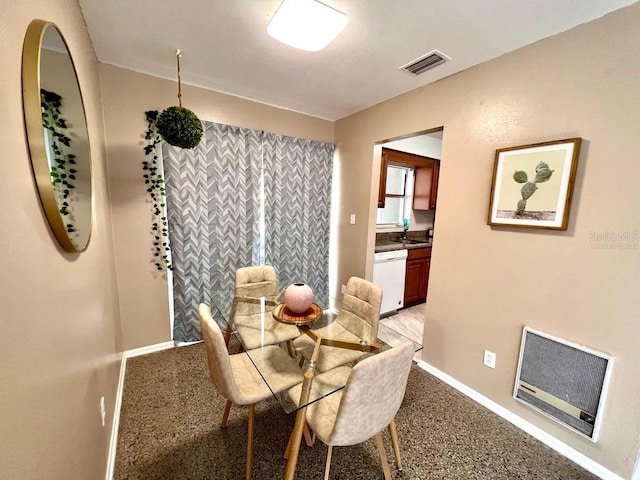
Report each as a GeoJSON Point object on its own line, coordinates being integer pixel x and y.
{"type": "Point", "coordinates": [405, 222]}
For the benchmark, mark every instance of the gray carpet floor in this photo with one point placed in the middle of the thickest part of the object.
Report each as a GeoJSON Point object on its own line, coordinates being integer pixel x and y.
{"type": "Point", "coordinates": [170, 417]}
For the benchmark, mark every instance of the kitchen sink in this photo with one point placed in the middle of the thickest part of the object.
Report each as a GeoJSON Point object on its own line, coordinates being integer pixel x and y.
{"type": "Point", "coordinates": [411, 241]}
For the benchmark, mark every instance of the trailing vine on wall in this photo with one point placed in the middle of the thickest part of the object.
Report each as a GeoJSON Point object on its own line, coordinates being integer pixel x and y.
{"type": "Point", "coordinates": [153, 179]}
{"type": "Point", "coordinates": [177, 126]}
{"type": "Point", "coordinates": [62, 161]}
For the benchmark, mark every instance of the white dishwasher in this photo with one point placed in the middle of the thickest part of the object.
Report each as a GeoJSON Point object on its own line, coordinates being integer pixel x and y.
{"type": "Point", "coordinates": [388, 273]}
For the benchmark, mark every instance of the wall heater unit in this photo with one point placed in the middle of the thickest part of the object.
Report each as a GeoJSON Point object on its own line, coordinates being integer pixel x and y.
{"type": "Point", "coordinates": [563, 380]}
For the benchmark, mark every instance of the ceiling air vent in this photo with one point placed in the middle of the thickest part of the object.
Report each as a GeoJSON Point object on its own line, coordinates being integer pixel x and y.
{"type": "Point", "coordinates": [425, 62]}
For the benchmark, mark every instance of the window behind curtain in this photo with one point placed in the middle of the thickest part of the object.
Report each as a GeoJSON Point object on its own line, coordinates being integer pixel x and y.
{"type": "Point", "coordinates": [245, 197]}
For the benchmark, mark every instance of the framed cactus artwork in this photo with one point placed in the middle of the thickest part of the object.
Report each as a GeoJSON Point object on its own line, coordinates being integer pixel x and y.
{"type": "Point", "coordinates": [532, 185]}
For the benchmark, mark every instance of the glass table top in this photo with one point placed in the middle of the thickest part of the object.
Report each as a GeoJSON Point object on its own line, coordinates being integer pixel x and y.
{"type": "Point", "coordinates": [254, 328]}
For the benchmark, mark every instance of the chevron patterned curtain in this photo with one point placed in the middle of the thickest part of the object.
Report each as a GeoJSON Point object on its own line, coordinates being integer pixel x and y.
{"type": "Point", "coordinates": [215, 195]}
{"type": "Point", "coordinates": [297, 186]}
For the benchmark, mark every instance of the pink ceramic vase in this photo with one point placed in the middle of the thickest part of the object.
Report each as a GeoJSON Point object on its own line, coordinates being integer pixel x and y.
{"type": "Point", "coordinates": [298, 297]}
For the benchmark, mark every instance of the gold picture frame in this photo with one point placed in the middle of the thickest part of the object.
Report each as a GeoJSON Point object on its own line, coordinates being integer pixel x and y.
{"type": "Point", "coordinates": [532, 185]}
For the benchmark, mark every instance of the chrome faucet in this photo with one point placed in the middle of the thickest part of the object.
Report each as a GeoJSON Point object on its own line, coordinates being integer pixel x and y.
{"type": "Point", "coordinates": [405, 227]}
{"type": "Point", "coordinates": [404, 235]}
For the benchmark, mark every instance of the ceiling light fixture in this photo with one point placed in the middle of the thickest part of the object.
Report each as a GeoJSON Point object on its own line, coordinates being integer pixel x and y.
{"type": "Point", "coordinates": [306, 24]}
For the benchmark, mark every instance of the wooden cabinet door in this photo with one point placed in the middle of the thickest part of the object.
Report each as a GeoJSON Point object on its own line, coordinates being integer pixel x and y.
{"type": "Point", "coordinates": [382, 189]}
{"type": "Point", "coordinates": [416, 278]}
{"type": "Point", "coordinates": [425, 189]}
{"type": "Point", "coordinates": [434, 185]}
{"type": "Point", "coordinates": [424, 278]}
{"type": "Point", "coordinates": [412, 279]}
{"type": "Point", "coordinates": [422, 188]}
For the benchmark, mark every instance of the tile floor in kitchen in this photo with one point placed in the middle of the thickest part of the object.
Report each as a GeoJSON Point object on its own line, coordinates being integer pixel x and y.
{"type": "Point", "coordinates": [409, 322]}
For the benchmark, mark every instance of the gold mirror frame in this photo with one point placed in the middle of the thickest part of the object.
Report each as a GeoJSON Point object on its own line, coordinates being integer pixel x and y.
{"type": "Point", "coordinates": [72, 237]}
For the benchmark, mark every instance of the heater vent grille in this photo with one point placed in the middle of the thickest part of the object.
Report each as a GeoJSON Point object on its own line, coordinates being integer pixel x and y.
{"type": "Point", "coordinates": [425, 62]}
{"type": "Point", "coordinates": [562, 380]}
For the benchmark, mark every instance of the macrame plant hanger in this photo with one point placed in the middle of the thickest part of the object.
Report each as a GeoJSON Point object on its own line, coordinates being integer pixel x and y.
{"type": "Point", "coordinates": [179, 126]}
{"type": "Point", "coordinates": [178, 55]}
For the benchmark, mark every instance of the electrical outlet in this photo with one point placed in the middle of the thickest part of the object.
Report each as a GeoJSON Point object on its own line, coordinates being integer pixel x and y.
{"type": "Point", "coordinates": [102, 410]}
{"type": "Point", "coordinates": [352, 219]}
{"type": "Point", "coordinates": [344, 289]}
{"type": "Point", "coordinates": [489, 359]}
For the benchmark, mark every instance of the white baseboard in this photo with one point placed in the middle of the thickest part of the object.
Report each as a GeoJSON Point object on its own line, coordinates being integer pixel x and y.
{"type": "Point", "coordinates": [536, 432]}
{"type": "Point", "coordinates": [113, 442]}
{"type": "Point", "coordinates": [186, 344]}
{"type": "Point", "coordinates": [136, 352]}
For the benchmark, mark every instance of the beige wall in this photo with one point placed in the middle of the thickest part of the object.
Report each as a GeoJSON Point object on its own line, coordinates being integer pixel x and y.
{"type": "Point", "coordinates": [127, 95]}
{"type": "Point", "coordinates": [60, 327]}
{"type": "Point", "coordinates": [487, 283]}
{"type": "Point", "coordinates": [61, 331]}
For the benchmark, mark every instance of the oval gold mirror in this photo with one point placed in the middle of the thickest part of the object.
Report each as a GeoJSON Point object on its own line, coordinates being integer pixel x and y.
{"type": "Point", "coordinates": [57, 134]}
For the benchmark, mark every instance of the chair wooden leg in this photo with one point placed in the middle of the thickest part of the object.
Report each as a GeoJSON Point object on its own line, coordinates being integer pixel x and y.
{"type": "Point", "coordinates": [383, 457]}
{"type": "Point", "coordinates": [252, 410]}
{"type": "Point", "coordinates": [328, 465]}
{"type": "Point", "coordinates": [290, 350]}
{"type": "Point", "coordinates": [225, 415]}
{"type": "Point", "coordinates": [393, 431]}
{"type": "Point", "coordinates": [308, 438]}
{"type": "Point", "coordinates": [227, 335]}
{"type": "Point", "coordinates": [232, 316]}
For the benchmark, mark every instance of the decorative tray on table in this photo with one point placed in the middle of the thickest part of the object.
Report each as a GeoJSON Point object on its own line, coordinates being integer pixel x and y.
{"type": "Point", "coordinates": [282, 314]}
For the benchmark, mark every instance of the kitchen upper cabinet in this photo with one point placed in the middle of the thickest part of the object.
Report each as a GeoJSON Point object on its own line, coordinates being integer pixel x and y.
{"type": "Point", "coordinates": [382, 190]}
{"type": "Point", "coordinates": [417, 276]}
{"type": "Point", "coordinates": [425, 191]}
{"type": "Point", "coordinates": [426, 177]}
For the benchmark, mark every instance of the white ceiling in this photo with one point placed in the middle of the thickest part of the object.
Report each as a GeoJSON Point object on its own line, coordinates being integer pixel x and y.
{"type": "Point", "coordinates": [226, 47]}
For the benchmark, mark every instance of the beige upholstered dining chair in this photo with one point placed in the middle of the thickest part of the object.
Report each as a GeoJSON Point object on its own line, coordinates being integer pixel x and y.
{"type": "Point", "coordinates": [252, 319]}
{"type": "Point", "coordinates": [369, 402]}
{"type": "Point", "coordinates": [237, 379]}
{"type": "Point", "coordinates": [357, 319]}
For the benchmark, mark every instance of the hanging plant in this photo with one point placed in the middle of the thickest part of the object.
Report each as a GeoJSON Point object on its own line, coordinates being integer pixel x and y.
{"type": "Point", "coordinates": [179, 126]}
{"type": "Point", "coordinates": [62, 168]}
{"type": "Point", "coordinates": [154, 181]}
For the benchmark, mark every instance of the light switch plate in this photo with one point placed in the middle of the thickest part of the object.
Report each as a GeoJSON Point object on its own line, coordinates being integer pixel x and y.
{"type": "Point", "coordinates": [352, 219]}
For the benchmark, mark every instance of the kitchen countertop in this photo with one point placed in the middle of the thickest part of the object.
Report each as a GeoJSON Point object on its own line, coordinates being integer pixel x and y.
{"type": "Point", "coordinates": [389, 245]}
